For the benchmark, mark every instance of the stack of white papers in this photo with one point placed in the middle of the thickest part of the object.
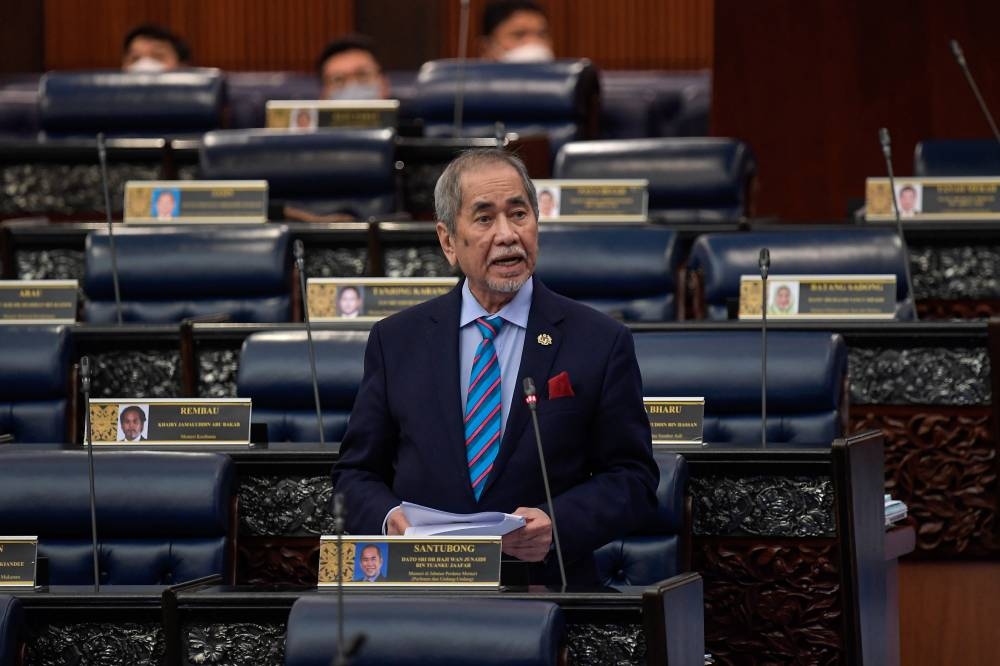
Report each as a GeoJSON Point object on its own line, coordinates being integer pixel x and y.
{"type": "Point", "coordinates": [895, 511]}
{"type": "Point", "coordinates": [425, 521]}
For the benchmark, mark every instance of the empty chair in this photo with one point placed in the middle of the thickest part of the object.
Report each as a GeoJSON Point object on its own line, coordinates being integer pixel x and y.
{"type": "Point", "coordinates": [36, 388]}
{"type": "Point", "coordinates": [956, 157]}
{"type": "Point", "coordinates": [162, 517]}
{"type": "Point", "coordinates": [182, 102]}
{"type": "Point", "coordinates": [717, 261]}
{"type": "Point", "coordinates": [806, 382]}
{"type": "Point", "coordinates": [11, 627]}
{"type": "Point", "coordinates": [690, 179]}
{"type": "Point", "coordinates": [628, 272]}
{"type": "Point", "coordinates": [350, 171]}
{"type": "Point", "coordinates": [274, 372]}
{"type": "Point", "coordinates": [413, 630]}
{"type": "Point", "coordinates": [167, 274]}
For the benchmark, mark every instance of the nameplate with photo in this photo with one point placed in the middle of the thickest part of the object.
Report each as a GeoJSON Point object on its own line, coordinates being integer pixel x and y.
{"type": "Point", "coordinates": [400, 561]}
{"type": "Point", "coordinates": [38, 301]}
{"type": "Point", "coordinates": [168, 421]}
{"type": "Point", "coordinates": [592, 200]}
{"type": "Point", "coordinates": [953, 198]}
{"type": "Point", "coordinates": [370, 299]}
{"type": "Point", "coordinates": [18, 559]}
{"type": "Point", "coordinates": [304, 115]}
{"type": "Point", "coordinates": [195, 201]}
{"type": "Point", "coordinates": [676, 421]}
{"type": "Point", "coordinates": [820, 297]}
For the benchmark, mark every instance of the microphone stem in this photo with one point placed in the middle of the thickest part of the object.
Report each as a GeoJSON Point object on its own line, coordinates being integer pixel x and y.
{"type": "Point", "coordinates": [981, 101]}
{"type": "Point", "coordinates": [899, 230]}
{"type": "Point", "coordinates": [548, 498]}
{"type": "Point", "coordinates": [102, 154]}
{"type": "Point", "coordinates": [763, 363]}
{"type": "Point", "coordinates": [90, 461]}
{"type": "Point", "coordinates": [463, 38]}
{"type": "Point", "coordinates": [300, 263]}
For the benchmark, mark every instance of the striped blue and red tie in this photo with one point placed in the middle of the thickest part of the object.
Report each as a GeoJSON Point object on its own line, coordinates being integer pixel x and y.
{"type": "Point", "coordinates": [482, 409]}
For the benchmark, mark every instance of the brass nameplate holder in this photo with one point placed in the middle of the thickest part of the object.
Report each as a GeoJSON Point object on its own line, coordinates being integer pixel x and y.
{"type": "Point", "coordinates": [953, 198]}
{"type": "Point", "coordinates": [820, 297]}
{"type": "Point", "coordinates": [149, 422]}
{"type": "Point", "coordinates": [370, 299]}
{"type": "Point", "coordinates": [18, 561]}
{"type": "Point", "coordinates": [676, 421]}
{"type": "Point", "coordinates": [38, 301]}
{"type": "Point", "coordinates": [304, 115]}
{"type": "Point", "coordinates": [400, 561]}
{"type": "Point", "coordinates": [592, 200]}
{"type": "Point", "coordinates": [195, 201]}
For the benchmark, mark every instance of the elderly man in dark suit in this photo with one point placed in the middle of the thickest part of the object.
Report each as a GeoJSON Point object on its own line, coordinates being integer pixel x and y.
{"type": "Point", "coordinates": [438, 419]}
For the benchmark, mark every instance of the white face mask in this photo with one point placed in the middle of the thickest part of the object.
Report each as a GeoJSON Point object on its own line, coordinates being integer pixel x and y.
{"type": "Point", "coordinates": [530, 52]}
{"type": "Point", "coordinates": [357, 91]}
{"type": "Point", "coordinates": [146, 65]}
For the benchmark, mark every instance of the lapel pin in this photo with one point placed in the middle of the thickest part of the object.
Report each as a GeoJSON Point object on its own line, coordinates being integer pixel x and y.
{"type": "Point", "coordinates": [544, 339]}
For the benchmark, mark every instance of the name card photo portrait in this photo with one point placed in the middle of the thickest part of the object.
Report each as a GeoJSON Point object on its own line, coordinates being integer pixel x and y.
{"type": "Point", "coordinates": [369, 299]}
{"type": "Point", "coordinates": [195, 201]}
{"type": "Point", "coordinates": [952, 198]}
{"type": "Point", "coordinates": [167, 421]}
{"type": "Point", "coordinates": [304, 115]}
{"type": "Point", "coordinates": [38, 301]}
{"type": "Point", "coordinates": [676, 421]}
{"type": "Point", "coordinates": [820, 297]}
{"type": "Point", "coordinates": [612, 200]}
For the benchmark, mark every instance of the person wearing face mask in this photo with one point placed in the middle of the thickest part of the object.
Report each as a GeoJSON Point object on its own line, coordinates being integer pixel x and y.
{"type": "Point", "coordinates": [516, 31]}
{"type": "Point", "coordinates": [151, 48]}
{"type": "Point", "coordinates": [349, 69]}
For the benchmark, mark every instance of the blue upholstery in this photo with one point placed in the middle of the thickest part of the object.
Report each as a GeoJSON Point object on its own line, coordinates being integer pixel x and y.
{"type": "Point", "coordinates": [637, 104]}
{"type": "Point", "coordinates": [628, 272]}
{"type": "Point", "coordinates": [162, 517]}
{"type": "Point", "coordinates": [188, 101]}
{"type": "Point", "coordinates": [956, 157]}
{"type": "Point", "coordinates": [720, 260]}
{"type": "Point", "coordinates": [274, 372]}
{"type": "Point", "coordinates": [558, 98]}
{"type": "Point", "coordinates": [325, 171]}
{"type": "Point", "coordinates": [657, 554]}
{"type": "Point", "coordinates": [250, 91]}
{"type": "Point", "coordinates": [690, 179]}
{"type": "Point", "coordinates": [167, 274]}
{"type": "Point", "coordinates": [11, 626]}
{"type": "Point", "coordinates": [35, 383]}
{"type": "Point", "coordinates": [411, 631]}
{"type": "Point", "coordinates": [805, 381]}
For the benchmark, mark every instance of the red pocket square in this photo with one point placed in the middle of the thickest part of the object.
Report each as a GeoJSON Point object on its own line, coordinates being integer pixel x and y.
{"type": "Point", "coordinates": [560, 386]}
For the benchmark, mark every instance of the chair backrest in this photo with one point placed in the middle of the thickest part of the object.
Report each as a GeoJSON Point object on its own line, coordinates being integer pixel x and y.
{"type": "Point", "coordinates": [806, 381]}
{"type": "Point", "coordinates": [660, 551]}
{"type": "Point", "coordinates": [162, 517]}
{"type": "Point", "coordinates": [718, 261]}
{"type": "Point", "coordinates": [35, 385]}
{"type": "Point", "coordinates": [167, 274]}
{"type": "Point", "coordinates": [560, 98]}
{"type": "Point", "coordinates": [324, 171]}
{"type": "Point", "coordinates": [274, 372]}
{"type": "Point", "coordinates": [407, 631]}
{"type": "Point", "coordinates": [956, 157]}
{"type": "Point", "coordinates": [627, 272]}
{"type": "Point", "coordinates": [11, 627]}
{"type": "Point", "coordinates": [690, 179]}
{"type": "Point", "coordinates": [182, 102]}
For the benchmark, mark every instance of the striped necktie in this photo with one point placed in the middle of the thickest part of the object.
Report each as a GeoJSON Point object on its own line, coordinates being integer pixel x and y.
{"type": "Point", "coordinates": [482, 409]}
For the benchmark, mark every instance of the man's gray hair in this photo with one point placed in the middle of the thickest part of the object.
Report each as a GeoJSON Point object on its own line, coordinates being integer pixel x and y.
{"type": "Point", "coordinates": [448, 191]}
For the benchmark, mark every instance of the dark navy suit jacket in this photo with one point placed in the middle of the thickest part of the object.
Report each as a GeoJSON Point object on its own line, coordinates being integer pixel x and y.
{"type": "Point", "coordinates": [405, 438]}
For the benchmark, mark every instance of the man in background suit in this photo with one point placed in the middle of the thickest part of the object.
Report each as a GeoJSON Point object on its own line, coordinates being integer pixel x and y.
{"type": "Point", "coordinates": [435, 424]}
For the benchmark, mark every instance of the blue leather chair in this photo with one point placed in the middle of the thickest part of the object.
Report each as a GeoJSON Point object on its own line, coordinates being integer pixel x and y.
{"type": "Point", "coordinates": [35, 384]}
{"type": "Point", "coordinates": [663, 550]}
{"type": "Point", "coordinates": [806, 382]}
{"type": "Point", "coordinates": [628, 272]}
{"type": "Point", "coordinates": [11, 626]}
{"type": "Point", "coordinates": [182, 102]}
{"type": "Point", "coordinates": [162, 517]}
{"type": "Point", "coordinates": [636, 104]}
{"type": "Point", "coordinates": [274, 372]}
{"type": "Point", "coordinates": [407, 631]}
{"type": "Point", "coordinates": [717, 261]}
{"type": "Point", "coordinates": [167, 274]}
{"type": "Point", "coordinates": [690, 179]}
{"type": "Point", "coordinates": [325, 171]}
{"type": "Point", "coordinates": [560, 98]}
{"type": "Point", "coordinates": [956, 157]}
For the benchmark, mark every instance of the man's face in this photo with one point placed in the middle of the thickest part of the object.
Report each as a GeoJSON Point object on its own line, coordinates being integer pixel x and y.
{"type": "Point", "coordinates": [907, 200]}
{"type": "Point", "coordinates": [156, 49]}
{"type": "Point", "coordinates": [496, 234]}
{"type": "Point", "coordinates": [165, 205]}
{"type": "Point", "coordinates": [371, 561]}
{"type": "Point", "coordinates": [356, 67]}
{"type": "Point", "coordinates": [545, 204]}
{"type": "Point", "coordinates": [302, 119]}
{"type": "Point", "coordinates": [348, 302]}
{"type": "Point", "coordinates": [522, 27]}
{"type": "Point", "coordinates": [131, 425]}
{"type": "Point", "coordinates": [783, 297]}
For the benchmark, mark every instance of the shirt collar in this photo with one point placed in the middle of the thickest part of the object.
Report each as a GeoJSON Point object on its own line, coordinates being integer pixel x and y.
{"type": "Point", "coordinates": [515, 312]}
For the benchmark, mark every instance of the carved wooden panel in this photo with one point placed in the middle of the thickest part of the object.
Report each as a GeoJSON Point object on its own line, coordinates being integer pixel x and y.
{"type": "Point", "coordinates": [961, 309]}
{"type": "Point", "coordinates": [277, 560]}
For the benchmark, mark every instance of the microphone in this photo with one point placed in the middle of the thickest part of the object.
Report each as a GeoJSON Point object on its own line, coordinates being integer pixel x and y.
{"type": "Point", "coordinates": [956, 50]}
{"type": "Point", "coordinates": [102, 157]}
{"type": "Point", "coordinates": [463, 39]}
{"type": "Point", "coordinates": [300, 264]}
{"type": "Point", "coordinates": [883, 138]}
{"type": "Point", "coordinates": [88, 440]}
{"type": "Point", "coordinates": [343, 654]}
{"type": "Point", "coordinates": [764, 263]}
{"type": "Point", "coordinates": [531, 398]}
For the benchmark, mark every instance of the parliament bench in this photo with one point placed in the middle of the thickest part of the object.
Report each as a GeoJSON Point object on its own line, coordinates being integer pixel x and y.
{"type": "Point", "coordinates": [37, 395]}
{"type": "Point", "coordinates": [935, 158]}
{"type": "Point", "coordinates": [11, 630]}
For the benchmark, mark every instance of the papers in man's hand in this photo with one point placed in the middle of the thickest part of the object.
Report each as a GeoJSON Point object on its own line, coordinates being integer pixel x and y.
{"type": "Point", "coordinates": [425, 521]}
